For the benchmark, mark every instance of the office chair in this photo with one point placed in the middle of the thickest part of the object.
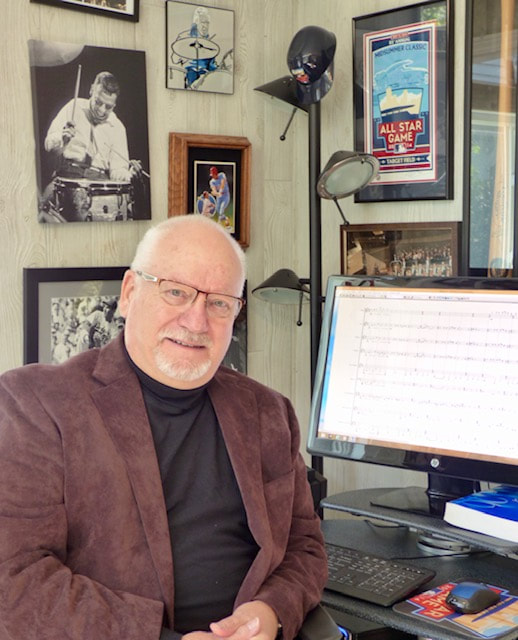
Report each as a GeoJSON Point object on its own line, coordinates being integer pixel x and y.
{"type": "Point", "coordinates": [319, 625]}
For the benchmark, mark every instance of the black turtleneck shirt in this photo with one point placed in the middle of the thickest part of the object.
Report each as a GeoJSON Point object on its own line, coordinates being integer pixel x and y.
{"type": "Point", "coordinates": [210, 539]}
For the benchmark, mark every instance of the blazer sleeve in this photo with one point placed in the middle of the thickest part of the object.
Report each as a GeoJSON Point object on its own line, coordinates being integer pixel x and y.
{"type": "Point", "coordinates": [40, 597]}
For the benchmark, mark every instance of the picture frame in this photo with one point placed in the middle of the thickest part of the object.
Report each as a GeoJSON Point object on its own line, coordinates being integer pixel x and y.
{"type": "Point", "coordinates": [191, 159]}
{"type": "Point", "coordinates": [403, 100]}
{"type": "Point", "coordinates": [199, 48]}
{"type": "Point", "coordinates": [67, 310]}
{"type": "Point", "coordinates": [122, 9]}
{"type": "Point", "coordinates": [424, 249]}
{"type": "Point", "coordinates": [490, 157]}
{"type": "Point", "coordinates": [76, 183]}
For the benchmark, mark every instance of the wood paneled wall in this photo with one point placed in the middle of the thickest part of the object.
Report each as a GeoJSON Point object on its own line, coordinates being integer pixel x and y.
{"type": "Point", "coordinates": [278, 350]}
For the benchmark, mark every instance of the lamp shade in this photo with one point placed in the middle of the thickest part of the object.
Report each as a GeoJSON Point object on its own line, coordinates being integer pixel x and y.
{"type": "Point", "coordinates": [283, 287]}
{"type": "Point", "coordinates": [345, 173]}
{"type": "Point", "coordinates": [283, 89]}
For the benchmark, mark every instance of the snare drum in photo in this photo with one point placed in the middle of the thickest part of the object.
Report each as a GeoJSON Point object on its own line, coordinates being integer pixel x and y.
{"type": "Point", "coordinates": [84, 200]}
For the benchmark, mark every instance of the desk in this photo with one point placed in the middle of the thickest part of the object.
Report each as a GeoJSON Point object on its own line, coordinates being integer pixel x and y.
{"type": "Point", "coordinates": [391, 540]}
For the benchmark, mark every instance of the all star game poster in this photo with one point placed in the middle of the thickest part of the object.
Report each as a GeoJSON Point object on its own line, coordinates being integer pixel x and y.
{"type": "Point", "coordinates": [400, 114]}
{"type": "Point", "coordinates": [403, 100]}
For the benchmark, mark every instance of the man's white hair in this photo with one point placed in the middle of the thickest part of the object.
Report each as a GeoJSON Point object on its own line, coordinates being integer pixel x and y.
{"type": "Point", "coordinates": [199, 13]}
{"type": "Point", "coordinates": [146, 247]}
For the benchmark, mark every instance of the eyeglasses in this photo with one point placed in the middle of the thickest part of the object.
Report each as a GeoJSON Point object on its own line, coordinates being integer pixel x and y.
{"type": "Point", "coordinates": [218, 305]}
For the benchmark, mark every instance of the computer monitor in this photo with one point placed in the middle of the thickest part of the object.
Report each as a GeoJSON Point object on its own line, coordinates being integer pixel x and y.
{"type": "Point", "coordinates": [420, 374]}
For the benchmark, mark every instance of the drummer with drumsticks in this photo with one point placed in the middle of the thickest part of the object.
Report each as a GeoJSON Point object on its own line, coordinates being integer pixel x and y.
{"type": "Point", "coordinates": [88, 139]}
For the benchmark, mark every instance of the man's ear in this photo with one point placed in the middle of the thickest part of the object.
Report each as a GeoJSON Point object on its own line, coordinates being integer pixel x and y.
{"type": "Point", "coordinates": [127, 288]}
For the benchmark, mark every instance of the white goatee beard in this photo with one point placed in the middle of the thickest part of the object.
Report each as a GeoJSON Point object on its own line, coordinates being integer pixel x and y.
{"type": "Point", "coordinates": [182, 369]}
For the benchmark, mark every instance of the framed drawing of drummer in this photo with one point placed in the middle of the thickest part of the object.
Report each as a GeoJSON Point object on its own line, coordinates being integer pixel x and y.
{"type": "Point", "coordinates": [91, 130]}
{"type": "Point", "coordinates": [199, 47]}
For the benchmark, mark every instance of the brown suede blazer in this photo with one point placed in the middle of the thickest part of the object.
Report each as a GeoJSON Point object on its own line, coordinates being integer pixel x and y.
{"type": "Point", "coordinates": [84, 542]}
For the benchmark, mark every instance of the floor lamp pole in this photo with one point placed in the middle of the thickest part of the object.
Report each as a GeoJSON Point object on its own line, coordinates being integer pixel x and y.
{"type": "Point", "coordinates": [315, 247]}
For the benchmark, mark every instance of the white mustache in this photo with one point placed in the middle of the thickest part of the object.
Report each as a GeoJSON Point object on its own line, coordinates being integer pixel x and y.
{"type": "Point", "coordinates": [186, 337]}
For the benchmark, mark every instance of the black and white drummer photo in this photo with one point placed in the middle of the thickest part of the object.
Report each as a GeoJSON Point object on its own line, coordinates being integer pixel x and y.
{"type": "Point", "coordinates": [90, 114]}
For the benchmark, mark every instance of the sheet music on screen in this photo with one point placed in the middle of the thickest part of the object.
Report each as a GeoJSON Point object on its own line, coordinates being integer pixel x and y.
{"type": "Point", "coordinates": [439, 367]}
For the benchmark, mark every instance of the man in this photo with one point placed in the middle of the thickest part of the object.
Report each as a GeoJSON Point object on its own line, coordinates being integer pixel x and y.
{"type": "Point", "coordinates": [88, 137]}
{"type": "Point", "coordinates": [89, 141]}
{"type": "Point", "coordinates": [219, 188]}
{"type": "Point", "coordinates": [206, 204]}
{"type": "Point", "coordinates": [147, 492]}
{"type": "Point", "coordinates": [204, 60]}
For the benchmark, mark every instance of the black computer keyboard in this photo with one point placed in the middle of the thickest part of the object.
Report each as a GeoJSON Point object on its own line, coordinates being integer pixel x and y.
{"type": "Point", "coordinates": [369, 577]}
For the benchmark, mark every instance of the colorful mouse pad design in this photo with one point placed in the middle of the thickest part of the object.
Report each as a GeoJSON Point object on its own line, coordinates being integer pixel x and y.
{"type": "Point", "coordinates": [490, 623]}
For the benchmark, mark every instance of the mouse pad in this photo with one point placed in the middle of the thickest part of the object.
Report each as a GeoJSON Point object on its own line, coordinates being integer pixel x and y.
{"type": "Point", "coordinates": [493, 622]}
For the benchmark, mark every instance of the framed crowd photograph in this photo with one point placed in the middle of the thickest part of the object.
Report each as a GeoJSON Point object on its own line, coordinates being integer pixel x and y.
{"type": "Point", "coordinates": [123, 9]}
{"type": "Point", "coordinates": [69, 310]}
{"type": "Point", "coordinates": [400, 249]}
{"type": "Point", "coordinates": [199, 48]}
{"type": "Point", "coordinates": [210, 175]}
{"type": "Point", "coordinates": [85, 173]}
{"type": "Point", "coordinates": [402, 90]}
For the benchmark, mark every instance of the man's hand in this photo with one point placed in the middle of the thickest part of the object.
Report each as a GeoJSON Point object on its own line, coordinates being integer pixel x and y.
{"type": "Point", "coordinates": [253, 619]}
{"type": "Point", "coordinates": [135, 169]}
{"type": "Point", "coordinates": [68, 132]}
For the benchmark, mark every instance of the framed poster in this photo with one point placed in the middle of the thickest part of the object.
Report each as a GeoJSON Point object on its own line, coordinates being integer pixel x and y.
{"type": "Point", "coordinates": [124, 9]}
{"type": "Point", "coordinates": [403, 100]}
{"type": "Point", "coordinates": [91, 130]}
{"type": "Point", "coordinates": [199, 48]}
{"type": "Point", "coordinates": [400, 249]}
{"type": "Point", "coordinates": [69, 310]}
{"type": "Point", "coordinates": [210, 175]}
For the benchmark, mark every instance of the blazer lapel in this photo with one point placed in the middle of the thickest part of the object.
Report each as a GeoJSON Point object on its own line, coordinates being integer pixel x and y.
{"type": "Point", "coordinates": [238, 422]}
{"type": "Point", "coordinates": [121, 404]}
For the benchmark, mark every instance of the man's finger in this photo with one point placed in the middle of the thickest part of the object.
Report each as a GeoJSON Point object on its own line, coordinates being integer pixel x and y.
{"type": "Point", "coordinates": [227, 628]}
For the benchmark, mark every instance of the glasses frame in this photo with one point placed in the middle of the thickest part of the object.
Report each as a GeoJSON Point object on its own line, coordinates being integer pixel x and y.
{"type": "Point", "coordinates": [155, 279]}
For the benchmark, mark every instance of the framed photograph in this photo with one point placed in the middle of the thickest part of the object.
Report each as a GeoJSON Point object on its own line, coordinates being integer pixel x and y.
{"type": "Point", "coordinates": [199, 48]}
{"type": "Point", "coordinates": [237, 355]}
{"type": "Point", "coordinates": [210, 175]}
{"type": "Point", "coordinates": [91, 130]}
{"type": "Point", "coordinates": [403, 60]}
{"type": "Point", "coordinates": [123, 9]}
{"type": "Point", "coordinates": [69, 310]}
{"type": "Point", "coordinates": [402, 249]}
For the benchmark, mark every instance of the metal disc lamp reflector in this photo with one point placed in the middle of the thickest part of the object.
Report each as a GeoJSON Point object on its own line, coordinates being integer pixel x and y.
{"type": "Point", "coordinates": [345, 173]}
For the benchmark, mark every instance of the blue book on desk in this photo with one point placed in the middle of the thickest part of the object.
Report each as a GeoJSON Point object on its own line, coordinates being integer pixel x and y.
{"type": "Point", "coordinates": [493, 512]}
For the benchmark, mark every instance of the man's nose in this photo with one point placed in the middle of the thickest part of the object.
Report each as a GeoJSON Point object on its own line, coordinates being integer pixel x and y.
{"type": "Point", "coordinates": [194, 317]}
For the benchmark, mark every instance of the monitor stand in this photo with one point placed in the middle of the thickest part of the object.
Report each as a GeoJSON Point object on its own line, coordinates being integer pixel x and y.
{"type": "Point", "coordinates": [428, 501]}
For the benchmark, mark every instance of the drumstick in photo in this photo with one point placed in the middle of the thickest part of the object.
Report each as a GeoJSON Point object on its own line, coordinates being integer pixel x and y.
{"type": "Point", "coordinates": [76, 92]}
{"type": "Point", "coordinates": [501, 229]}
{"type": "Point", "coordinates": [145, 173]}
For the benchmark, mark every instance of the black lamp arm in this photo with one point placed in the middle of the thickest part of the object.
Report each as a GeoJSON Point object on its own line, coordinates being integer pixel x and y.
{"type": "Point", "coordinates": [283, 134]}
{"type": "Point", "coordinates": [346, 222]}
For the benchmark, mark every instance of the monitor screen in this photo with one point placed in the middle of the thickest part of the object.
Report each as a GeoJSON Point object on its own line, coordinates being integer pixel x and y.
{"type": "Point", "coordinates": [421, 374]}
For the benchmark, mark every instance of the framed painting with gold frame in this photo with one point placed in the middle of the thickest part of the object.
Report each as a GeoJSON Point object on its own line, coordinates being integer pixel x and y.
{"type": "Point", "coordinates": [210, 175]}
